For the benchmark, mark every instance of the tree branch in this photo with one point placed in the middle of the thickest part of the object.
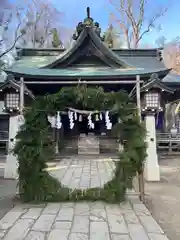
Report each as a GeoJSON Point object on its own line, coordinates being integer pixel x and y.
{"type": "Point", "coordinates": [151, 23]}
{"type": "Point", "coordinates": [132, 18]}
{"type": "Point", "coordinates": [125, 28]}
{"type": "Point", "coordinates": [13, 45]}
{"type": "Point", "coordinates": [16, 36]}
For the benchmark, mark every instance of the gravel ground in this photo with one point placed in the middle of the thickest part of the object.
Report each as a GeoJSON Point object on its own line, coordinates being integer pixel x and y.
{"type": "Point", "coordinates": [163, 198]}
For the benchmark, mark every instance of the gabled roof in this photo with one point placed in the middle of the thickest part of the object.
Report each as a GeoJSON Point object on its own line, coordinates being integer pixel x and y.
{"type": "Point", "coordinates": [155, 82]}
{"type": "Point", "coordinates": [89, 38]}
{"type": "Point", "coordinates": [86, 73]}
{"type": "Point", "coordinates": [88, 58]}
{"type": "Point", "coordinates": [33, 63]}
{"type": "Point", "coordinates": [11, 83]}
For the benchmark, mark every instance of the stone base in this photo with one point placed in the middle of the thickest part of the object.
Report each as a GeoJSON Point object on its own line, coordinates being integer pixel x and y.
{"type": "Point", "coordinates": [88, 145]}
{"type": "Point", "coordinates": [10, 171]}
{"type": "Point", "coordinates": [152, 173]}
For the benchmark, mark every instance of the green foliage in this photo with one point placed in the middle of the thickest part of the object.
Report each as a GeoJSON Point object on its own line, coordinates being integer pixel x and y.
{"type": "Point", "coordinates": [56, 42]}
{"type": "Point", "coordinates": [35, 147]}
{"type": "Point", "coordinates": [112, 38]}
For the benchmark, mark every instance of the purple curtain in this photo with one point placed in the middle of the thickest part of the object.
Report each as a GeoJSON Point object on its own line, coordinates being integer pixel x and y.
{"type": "Point", "coordinates": [159, 120]}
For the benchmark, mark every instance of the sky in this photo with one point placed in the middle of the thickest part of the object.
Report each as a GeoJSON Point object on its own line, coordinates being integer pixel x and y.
{"type": "Point", "coordinates": [75, 10]}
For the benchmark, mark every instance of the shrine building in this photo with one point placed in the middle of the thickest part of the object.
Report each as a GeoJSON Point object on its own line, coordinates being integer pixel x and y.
{"type": "Point", "coordinates": [91, 62]}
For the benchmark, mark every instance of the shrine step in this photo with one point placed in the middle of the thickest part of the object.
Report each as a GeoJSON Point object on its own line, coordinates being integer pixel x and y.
{"type": "Point", "coordinates": [88, 145]}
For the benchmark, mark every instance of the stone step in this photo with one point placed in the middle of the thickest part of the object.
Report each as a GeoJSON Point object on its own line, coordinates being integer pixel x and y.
{"type": "Point", "coordinates": [88, 152]}
{"type": "Point", "coordinates": [89, 147]}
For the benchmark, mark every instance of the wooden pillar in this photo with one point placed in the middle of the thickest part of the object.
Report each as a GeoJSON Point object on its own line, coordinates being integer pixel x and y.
{"type": "Point", "coordinates": [21, 100]}
{"type": "Point", "coordinates": [141, 175]}
{"type": "Point", "coordinates": [57, 141]}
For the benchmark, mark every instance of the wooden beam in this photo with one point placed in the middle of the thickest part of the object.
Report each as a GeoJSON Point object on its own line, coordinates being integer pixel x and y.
{"type": "Point", "coordinates": [21, 101]}
{"type": "Point", "coordinates": [83, 82]}
{"type": "Point", "coordinates": [140, 175]}
{"type": "Point", "coordinates": [138, 97]}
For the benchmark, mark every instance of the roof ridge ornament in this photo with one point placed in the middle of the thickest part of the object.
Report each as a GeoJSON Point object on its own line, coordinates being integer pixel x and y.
{"type": "Point", "coordinates": [88, 12]}
{"type": "Point", "coordinates": [154, 77]}
{"type": "Point", "coordinates": [87, 23]}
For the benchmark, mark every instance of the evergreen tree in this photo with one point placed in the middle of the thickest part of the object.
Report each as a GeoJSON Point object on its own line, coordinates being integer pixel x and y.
{"type": "Point", "coordinates": [111, 38]}
{"type": "Point", "coordinates": [108, 36]}
{"type": "Point", "coordinates": [56, 42]}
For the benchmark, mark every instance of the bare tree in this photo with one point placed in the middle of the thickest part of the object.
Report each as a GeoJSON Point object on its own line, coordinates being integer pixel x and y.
{"type": "Point", "coordinates": [8, 14]}
{"type": "Point", "coordinates": [132, 19]}
{"type": "Point", "coordinates": [161, 42]}
{"type": "Point", "coordinates": [171, 55]}
{"type": "Point", "coordinates": [43, 17]}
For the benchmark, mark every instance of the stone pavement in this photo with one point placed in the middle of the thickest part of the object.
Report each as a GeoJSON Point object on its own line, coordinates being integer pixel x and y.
{"type": "Point", "coordinates": [7, 192]}
{"type": "Point", "coordinates": [83, 172]}
{"type": "Point", "coordinates": [81, 221]}
{"type": "Point", "coordinates": [2, 166]}
{"type": "Point", "coordinates": [84, 220]}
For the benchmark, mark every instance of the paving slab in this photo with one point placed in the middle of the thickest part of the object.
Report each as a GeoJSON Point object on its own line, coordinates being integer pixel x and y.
{"type": "Point", "coordinates": [79, 173]}
{"type": "Point", "coordinates": [81, 221]}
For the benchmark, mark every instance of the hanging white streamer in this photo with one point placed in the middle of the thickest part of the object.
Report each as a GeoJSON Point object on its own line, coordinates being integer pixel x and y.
{"type": "Point", "coordinates": [80, 118]}
{"type": "Point", "coordinates": [21, 121]}
{"type": "Point", "coordinates": [75, 116]}
{"type": "Point", "coordinates": [90, 123]}
{"type": "Point", "coordinates": [107, 120]}
{"type": "Point", "coordinates": [58, 121]}
{"type": "Point", "coordinates": [119, 120]}
{"type": "Point", "coordinates": [71, 121]}
{"type": "Point", "coordinates": [52, 121]}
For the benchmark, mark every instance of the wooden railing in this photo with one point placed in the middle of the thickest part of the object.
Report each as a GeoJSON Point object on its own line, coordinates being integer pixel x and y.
{"type": "Point", "coordinates": [4, 140]}
{"type": "Point", "coordinates": [167, 141]}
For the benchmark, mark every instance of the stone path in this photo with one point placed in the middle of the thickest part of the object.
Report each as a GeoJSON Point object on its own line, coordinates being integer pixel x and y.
{"type": "Point", "coordinates": [81, 221]}
{"type": "Point", "coordinates": [79, 173]}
